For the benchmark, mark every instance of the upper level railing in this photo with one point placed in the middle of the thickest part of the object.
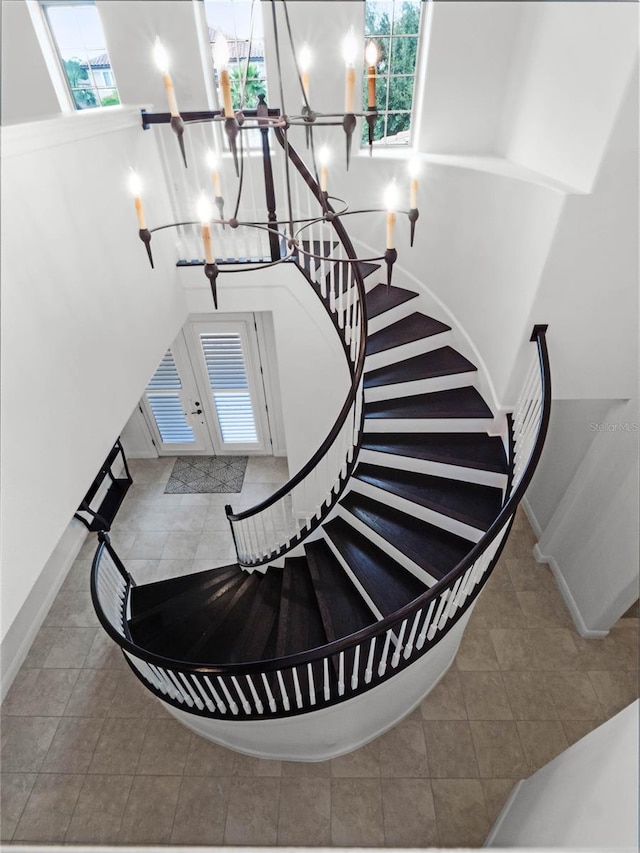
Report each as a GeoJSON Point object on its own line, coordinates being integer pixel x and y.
{"type": "Point", "coordinates": [327, 257]}
{"type": "Point", "coordinates": [347, 667]}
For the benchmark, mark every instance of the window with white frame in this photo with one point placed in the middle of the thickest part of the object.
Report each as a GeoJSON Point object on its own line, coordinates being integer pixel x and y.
{"type": "Point", "coordinates": [394, 27]}
{"type": "Point", "coordinates": [80, 42]}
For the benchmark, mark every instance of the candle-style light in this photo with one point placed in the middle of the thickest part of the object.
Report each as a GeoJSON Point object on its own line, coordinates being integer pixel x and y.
{"type": "Point", "coordinates": [135, 186]}
{"type": "Point", "coordinates": [221, 62]}
{"type": "Point", "coordinates": [371, 59]}
{"type": "Point", "coordinates": [213, 162]}
{"type": "Point", "coordinates": [349, 52]}
{"type": "Point", "coordinates": [324, 156]}
{"type": "Point", "coordinates": [391, 205]}
{"type": "Point", "coordinates": [162, 61]}
{"type": "Point", "coordinates": [210, 267]}
{"type": "Point", "coordinates": [414, 171]}
{"type": "Point", "coordinates": [305, 58]}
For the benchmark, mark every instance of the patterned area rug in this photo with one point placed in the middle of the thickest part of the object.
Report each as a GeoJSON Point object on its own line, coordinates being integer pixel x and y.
{"type": "Point", "coordinates": [206, 474]}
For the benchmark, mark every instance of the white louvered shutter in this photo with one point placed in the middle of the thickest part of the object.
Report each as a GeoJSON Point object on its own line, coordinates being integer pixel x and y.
{"type": "Point", "coordinates": [164, 399]}
{"type": "Point", "coordinates": [227, 373]}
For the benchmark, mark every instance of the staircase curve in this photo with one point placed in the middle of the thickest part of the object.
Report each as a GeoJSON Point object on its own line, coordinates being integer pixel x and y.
{"type": "Point", "coordinates": [354, 581]}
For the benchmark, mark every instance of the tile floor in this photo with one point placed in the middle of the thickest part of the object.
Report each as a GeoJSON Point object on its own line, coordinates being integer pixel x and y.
{"type": "Point", "coordinates": [89, 756]}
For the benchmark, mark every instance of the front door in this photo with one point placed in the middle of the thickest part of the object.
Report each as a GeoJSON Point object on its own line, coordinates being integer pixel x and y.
{"type": "Point", "coordinates": [206, 396]}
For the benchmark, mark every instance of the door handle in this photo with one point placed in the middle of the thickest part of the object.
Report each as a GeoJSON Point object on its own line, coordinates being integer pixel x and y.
{"type": "Point", "coordinates": [197, 412]}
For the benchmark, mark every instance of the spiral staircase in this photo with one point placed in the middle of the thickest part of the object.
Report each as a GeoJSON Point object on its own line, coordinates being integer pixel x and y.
{"type": "Point", "coordinates": [352, 576]}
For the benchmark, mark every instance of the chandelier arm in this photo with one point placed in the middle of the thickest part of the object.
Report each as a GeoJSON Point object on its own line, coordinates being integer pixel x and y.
{"type": "Point", "coordinates": [279, 64]}
{"type": "Point", "coordinates": [241, 179]}
{"type": "Point", "coordinates": [295, 57]}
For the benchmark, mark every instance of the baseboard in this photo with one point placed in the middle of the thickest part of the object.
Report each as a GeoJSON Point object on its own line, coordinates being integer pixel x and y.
{"type": "Point", "coordinates": [533, 521]}
{"type": "Point", "coordinates": [503, 813]}
{"type": "Point", "coordinates": [22, 632]}
{"type": "Point", "coordinates": [568, 598]}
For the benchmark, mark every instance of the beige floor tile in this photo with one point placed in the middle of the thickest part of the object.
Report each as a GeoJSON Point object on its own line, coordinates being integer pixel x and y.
{"type": "Point", "coordinates": [402, 751]}
{"type": "Point", "coordinates": [485, 696]}
{"type": "Point", "coordinates": [194, 500]}
{"type": "Point", "coordinates": [149, 546]}
{"type": "Point", "coordinates": [98, 814]}
{"type": "Point", "coordinates": [132, 699]}
{"type": "Point", "coordinates": [40, 648]}
{"type": "Point", "coordinates": [529, 695]}
{"type": "Point", "coordinates": [208, 759]}
{"type": "Point", "coordinates": [409, 813]}
{"type": "Point", "coordinates": [461, 813]}
{"type": "Point", "coordinates": [72, 608]}
{"type": "Point", "coordinates": [78, 576]}
{"type": "Point", "coordinates": [104, 654]}
{"type": "Point", "coordinates": [266, 469]}
{"type": "Point", "coordinates": [364, 762]}
{"type": "Point", "coordinates": [201, 811]}
{"type": "Point", "coordinates": [119, 746]}
{"type": "Point", "coordinates": [535, 648]}
{"type": "Point", "coordinates": [496, 794]}
{"type": "Point", "coordinates": [181, 545]}
{"type": "Point", "coordinates": [248, 765]}
{"type": "Point", "coordinates": [542, 741]}
{"type": "Point", "coordinates": [25, 742]}
{"type": "Point", "coordinates": [73, 745]}
{"type": "Point", "coordinates": [252, 815]}
{"type": "Point", "coordinates": [498, 749]}
{"type": "Point", "coordinates": [618, 650]}
{"type": "Point", "coordinates": [173, 568]}
{"type": "Point", "coordinates": [544, 609]}
{"type": "Point", "coordinates": [476, 651]}
{"type": "Point", "coordinates": [150, 809]}
{"type": "Point", "coordinates": [305, 812]}
{"type": "Point", "coordinates": [306, 769]}
{"type": "Point", "coordinates": [188, 518]}
{"type": "Point", "coordinates": [574, 730]}
{"type": "Point", "coordinates": [48, 811]}
{"type": "Point", "coordinates": [498, 607]}
{"type": "Point", "coordinates": [216, 545]}
{"type": "Point", "coordinates": [14, 793]}
{"type": "Point", "coordinates": [216, 519]}
{"type": "Point", "coordinates": [40, 692]}
{"type": "Point", "coordinates": [356, 813]}
{"type": "Point", "coordinates": [520, 543]}
{"type": "Point", "coordinates": [451, 751]}
{"type": "Point", "coordinates": [446, 700]}
{"type": "Point", "coordinates": [165, 748]}
{"type": "Point", "coordinates": [528, 576]}
{"type": "Point", "coordinates": [615, 689]}
{"type": "Point", "coordinates": [70, 648]}
{"type": "Point", "coordinates": [92, 693]}
{"type": "Point", "coordinates": [574, 696]}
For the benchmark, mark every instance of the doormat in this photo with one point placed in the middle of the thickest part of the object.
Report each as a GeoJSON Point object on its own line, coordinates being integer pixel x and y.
{"type": "Point", "coordinates": [195, 475]}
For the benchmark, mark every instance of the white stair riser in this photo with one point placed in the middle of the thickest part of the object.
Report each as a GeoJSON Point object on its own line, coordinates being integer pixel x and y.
{"type": "Point", "coordinates": [420, 386]}
{"type": "Point", "coordinates": [386, 546]}
{"type": "Point", "coordinates": [437, 469]}
{"type": "Point", "coordinates": [428, 424]}
{"type": "Point", "coordinates": [444, 522]}
{"type": "Point", "coordinates": [399, 353]}
{"type": "Point", "coordinates": [381, 321]}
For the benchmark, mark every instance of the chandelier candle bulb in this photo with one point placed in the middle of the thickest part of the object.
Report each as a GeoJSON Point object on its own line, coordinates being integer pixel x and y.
{"type": "Point", "coordinates": [304, 61]}
{"type": "Point", "coordinates": [371, 56]}
{"type": "Point", "coordinates": [162, 61]}
{"type": "Point", "coordinates": [323, 158]}
{"type": "Point", "coordinates": [204, 214]}
{"type": "Point", "coordinates": [135, 185]}
{"type": "Point", "coordinates": [349, 50]}
{"type": "Point", "coordinates": [391, 203]}
{"type": "Point", "coordinates": [414, 169]}
{"type": "Point", "coordinates": [213, 163]}
{"type": "Point", "coordinates": [221, 61]}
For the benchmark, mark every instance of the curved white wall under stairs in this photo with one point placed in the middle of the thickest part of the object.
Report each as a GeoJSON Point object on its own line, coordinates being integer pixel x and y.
{"type": "Point", "coordinates": [341, 728]}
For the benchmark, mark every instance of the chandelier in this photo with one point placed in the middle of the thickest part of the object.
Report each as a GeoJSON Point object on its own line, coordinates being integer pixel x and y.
{"type": "Point", "coordinates": [286, 234]}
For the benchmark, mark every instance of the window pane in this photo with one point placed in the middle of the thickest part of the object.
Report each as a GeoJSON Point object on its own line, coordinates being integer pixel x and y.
{"type": "Point", "coordinates": [81, 44]}
{"type": "Point", "coordinates": [407, 16]}
{"type": "Point", "coordinates": [403, 55]}
{"type": "Point", "coordinates": [378, 16]}
{"type": "Point", "coordinates": [400, 93]}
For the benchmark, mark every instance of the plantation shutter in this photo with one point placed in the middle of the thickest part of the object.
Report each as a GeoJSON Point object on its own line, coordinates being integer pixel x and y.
{"type": "Point", "coordinates": [226, 369]}
{"type": "Point", "coordinates": [164, 400]}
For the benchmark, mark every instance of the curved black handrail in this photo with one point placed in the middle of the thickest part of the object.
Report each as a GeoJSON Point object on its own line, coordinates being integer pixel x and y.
{"type": "Point", "coordinates": [377, 628]}
{"type": "Point", "coordinates": [359, 366]}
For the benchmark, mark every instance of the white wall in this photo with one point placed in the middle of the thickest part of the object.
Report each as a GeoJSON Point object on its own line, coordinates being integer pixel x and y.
{"type": "Point", "coordinates": [570, 66]}
{"type": "Point", "coordinates": [586, 798]}
{"type": "Point", "coordinates": [27, 90]}
{"type": "Point", "coordinates": [84, 322]}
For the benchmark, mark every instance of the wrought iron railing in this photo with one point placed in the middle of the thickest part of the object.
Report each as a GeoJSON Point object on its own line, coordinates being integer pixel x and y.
{"type": "Point", "coordinates": [347, 667]}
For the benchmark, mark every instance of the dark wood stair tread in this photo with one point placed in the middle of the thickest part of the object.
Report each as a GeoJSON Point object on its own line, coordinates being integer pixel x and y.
{"type": "Point", "coordinates": [342, 608]}
{"type": "Point", "coordinates": [256, 638]}
{"type": "Point", "coordinates": [463, 402]}
{"type": "Point", "coordinates": [146, 597]}
{"type": "Point", "coordinates": [412, 328]}
{"type": "Point", "coordinates": [444, 361]}
{"type": "Point", "coordinates": [388, 584]}
{"type": "Point", "coordinates": [382, 298]}
{"type": "Point", "coordinates": [468, 449]}
{"type": "Point", "coordinates": [300, 623]}
{"type": "Point", "coordinates": [470, 503]}
{"type": "Point", "coordinates": [433, 549]}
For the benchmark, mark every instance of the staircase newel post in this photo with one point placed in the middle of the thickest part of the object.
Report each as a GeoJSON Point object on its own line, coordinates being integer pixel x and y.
{"type": "Point", "coordinates": [229, 512]}
{"type": "Point", "coordinates": [269, 186]}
